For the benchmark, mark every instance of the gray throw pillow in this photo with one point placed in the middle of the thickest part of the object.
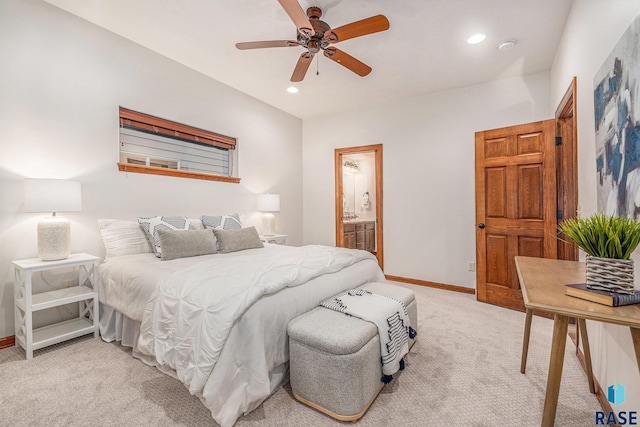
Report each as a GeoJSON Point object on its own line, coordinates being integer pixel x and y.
{"type": "Point", "coordinates": [238, 240]}
{"type": "Point", "coordinates": [151, 224]}
{"type": "Point", "coordinates": [185, 243]}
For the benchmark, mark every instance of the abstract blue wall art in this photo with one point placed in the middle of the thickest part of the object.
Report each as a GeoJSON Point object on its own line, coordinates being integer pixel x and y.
{"type": "Point", "coordinates": [617, 118]}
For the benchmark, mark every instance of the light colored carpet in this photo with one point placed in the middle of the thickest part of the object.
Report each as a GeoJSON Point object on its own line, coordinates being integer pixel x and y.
{"type": "Point", "coordinates": [464, 370]}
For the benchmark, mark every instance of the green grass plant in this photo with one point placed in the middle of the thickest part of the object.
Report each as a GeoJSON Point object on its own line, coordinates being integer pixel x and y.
{"type": "Point", "coordinates": [603, 236]}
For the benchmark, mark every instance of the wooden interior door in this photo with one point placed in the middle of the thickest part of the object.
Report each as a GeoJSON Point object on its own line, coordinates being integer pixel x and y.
{"type": "Point", "coordinates": [515, 206]}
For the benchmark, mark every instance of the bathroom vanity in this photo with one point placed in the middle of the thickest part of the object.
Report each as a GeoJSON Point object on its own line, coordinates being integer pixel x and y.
{"type": "Point", "coordinates": [360, 234]}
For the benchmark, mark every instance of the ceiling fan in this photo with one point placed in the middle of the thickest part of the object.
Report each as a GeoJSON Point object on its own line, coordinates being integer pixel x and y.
{"type": "Point", "coordinates": [316, 35]}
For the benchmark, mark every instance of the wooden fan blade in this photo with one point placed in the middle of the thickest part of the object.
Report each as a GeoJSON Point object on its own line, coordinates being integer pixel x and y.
{"type": "Point", "coordinates": [301, 67]}
{"type": "Point", "coordinates": [270, 43]}
{"type": "Point", "coordinates": [297, 15]}
{"type": "Point", "coordinates": [357, 29]}
{"type": "Point", "coordinates": [347, 61]}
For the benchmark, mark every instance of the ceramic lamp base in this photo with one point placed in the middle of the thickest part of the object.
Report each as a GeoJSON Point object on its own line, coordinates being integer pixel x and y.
{"type": "Point", "coordinates": [54, 238]}
{"type": "Point", "coordinates": [268, 224]}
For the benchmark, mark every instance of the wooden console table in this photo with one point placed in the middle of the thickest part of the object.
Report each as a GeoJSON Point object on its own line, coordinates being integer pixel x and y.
{"type": "Point", "coordinates": [542, 281]}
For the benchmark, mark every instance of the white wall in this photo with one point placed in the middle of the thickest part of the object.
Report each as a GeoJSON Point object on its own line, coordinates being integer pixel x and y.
{"type": "Point", "coordinates": [428, 171]}
{"type": "Point", "coordinates": [61, 82]}
{"type": "Point", "coordinates": [591, 32]}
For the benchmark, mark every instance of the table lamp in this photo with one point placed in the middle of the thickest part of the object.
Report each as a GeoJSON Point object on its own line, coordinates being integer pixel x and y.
{"type": "Point", "coordinates": [268, 203]}
{"type": "Point", "coordinates": [53, 195]}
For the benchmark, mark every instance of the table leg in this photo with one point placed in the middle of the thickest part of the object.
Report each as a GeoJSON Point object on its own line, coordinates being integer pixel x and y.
{"type": "Point", "coordinates": [525, 340]}
{"type": "Point", "coordinates": [582, 325]}
{"type": "Point", "coordinates": [555, 369]}
{"type": "Point", "coordinates": [635, 335]}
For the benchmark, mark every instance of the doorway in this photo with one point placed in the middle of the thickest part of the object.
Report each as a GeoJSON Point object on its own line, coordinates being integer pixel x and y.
{"type": "Point", "coordinates": [358, 198]}
{"type": "Point", "coordinates": [567, 166]}
{"type": "Point", "coordinates": [526, 184]}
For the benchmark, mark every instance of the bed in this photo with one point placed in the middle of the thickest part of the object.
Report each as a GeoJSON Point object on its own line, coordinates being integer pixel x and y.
{"type": "Point", "coordinates": [218, 322]}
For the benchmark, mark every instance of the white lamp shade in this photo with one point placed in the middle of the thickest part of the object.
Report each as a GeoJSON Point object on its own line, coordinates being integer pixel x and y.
{"type": "Point", "coordinates": [52, 195]}
{"type": "Point", "coordinates": [269, 202]}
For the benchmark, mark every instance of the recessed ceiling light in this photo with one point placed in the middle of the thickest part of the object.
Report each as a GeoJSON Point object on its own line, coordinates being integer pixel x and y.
{"type": "Point", "coordinates": [292, 89]}
{"type": "Point", "coordinates": [476, 38]}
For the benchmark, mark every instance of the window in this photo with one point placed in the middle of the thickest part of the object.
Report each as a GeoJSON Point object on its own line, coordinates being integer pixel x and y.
{"type": "Point", "coordinates": [157, 146]}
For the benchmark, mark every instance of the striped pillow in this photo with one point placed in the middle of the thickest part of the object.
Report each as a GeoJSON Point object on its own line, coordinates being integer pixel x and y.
{"type": "Point", "coordinates": [222, 222]}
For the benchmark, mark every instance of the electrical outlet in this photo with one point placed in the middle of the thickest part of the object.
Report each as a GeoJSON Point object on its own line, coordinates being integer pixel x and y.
{"type": "Point", "coordinates": [68, 283]}
{"type": "Point", "coordinates": [471, 266]}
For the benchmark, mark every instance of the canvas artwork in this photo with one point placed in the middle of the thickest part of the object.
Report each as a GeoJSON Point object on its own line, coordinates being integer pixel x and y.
{"type": "Point", "coordinates": [617, 119]}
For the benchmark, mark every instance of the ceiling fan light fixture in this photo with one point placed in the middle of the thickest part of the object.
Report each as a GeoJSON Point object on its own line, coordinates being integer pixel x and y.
{"type": "Point", "coordinates": [293, 89]}
{"type": "Point", "coordinates": [476, 38]}
{"type": "Point", "coordinates": [317, 36]}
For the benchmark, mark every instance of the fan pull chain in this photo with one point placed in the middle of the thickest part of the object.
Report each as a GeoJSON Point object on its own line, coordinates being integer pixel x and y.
{"type": "Point", "coordinates": [317, 65]}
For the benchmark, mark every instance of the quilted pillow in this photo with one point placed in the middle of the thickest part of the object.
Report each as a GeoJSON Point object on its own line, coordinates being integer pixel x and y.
{"type": "Point", "coordinates": [123, 238]}
{"type": "Point", "coordinates": [222, 222]}
{"type": "Point", "coordinates": [186, 243]}
{"type": "Point", "coordinates": [152, 224]}
{"type": "Point", "coordinates": [238, 240]}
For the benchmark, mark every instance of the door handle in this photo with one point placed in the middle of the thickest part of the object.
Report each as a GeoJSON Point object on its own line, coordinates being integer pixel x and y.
{"type": "Point", "coordinates": [481, 225]}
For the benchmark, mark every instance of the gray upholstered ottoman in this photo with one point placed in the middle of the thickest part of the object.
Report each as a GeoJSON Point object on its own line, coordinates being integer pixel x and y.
{"type": "Point", "coordinates": [335, 359]}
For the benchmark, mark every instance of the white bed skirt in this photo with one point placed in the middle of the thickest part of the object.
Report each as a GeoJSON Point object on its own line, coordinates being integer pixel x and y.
{"type": "Point", "coordinates": [115, 326]}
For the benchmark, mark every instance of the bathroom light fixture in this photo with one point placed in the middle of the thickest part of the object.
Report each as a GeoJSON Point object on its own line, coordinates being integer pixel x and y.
{"type": "Point", "coordinates": [268, 203]}
{"type": "Point", "coordinates": [292, 89]}
{"type": "Point", "coordinates": [351, 166]}
{"type": "Point", "coordinates": [476, 38]}
{"type": "Point", "coordinates": [53, 195]}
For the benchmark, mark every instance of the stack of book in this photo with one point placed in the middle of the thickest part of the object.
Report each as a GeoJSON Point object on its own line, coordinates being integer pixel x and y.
{"type": "Point", "coordinates": [612, 299]}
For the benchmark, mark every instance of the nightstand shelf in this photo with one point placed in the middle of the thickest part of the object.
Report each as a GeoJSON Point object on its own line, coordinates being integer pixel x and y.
{"type": "Point", "coordinates": [279, 239]}
{"type": "Point", "coordinates": [56, 298]}
{"type": "Point", "coordinates": [58, 332]}
{"type": "Point", "coordinates": [85, 293]}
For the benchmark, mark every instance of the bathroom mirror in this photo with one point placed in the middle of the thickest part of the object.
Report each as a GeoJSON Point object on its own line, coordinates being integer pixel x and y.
{"type": "Point", "coordinates": [358, 186]}
{"type": "Point", "coordinates": [349, 195]}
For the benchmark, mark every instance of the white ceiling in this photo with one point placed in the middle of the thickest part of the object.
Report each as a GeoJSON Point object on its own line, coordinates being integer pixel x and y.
{"type": "Point", "coordinates": [424, 50]}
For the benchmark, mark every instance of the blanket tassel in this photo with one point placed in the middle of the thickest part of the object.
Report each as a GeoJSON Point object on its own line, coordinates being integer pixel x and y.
{"type": "Point", "coordinates": [412, 333]}
{"type": "Point", "coordinates": [386, 379]}
{"type": "Point", "coordinates": [402, 364]}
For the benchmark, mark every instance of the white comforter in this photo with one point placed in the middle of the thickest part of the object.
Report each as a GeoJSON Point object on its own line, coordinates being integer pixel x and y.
{"type": "Point", "coordinates": [194, 321]}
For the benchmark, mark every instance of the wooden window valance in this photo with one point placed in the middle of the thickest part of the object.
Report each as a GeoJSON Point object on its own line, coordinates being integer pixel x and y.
{"type": "Point", "coordinates": [145, 122]}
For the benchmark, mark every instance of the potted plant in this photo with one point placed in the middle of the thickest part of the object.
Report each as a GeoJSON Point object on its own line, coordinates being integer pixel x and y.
{"type": "Point", "coordinates": [609, 242]}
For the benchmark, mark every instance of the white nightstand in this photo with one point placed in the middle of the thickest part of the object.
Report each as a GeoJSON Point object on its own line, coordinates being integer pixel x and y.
{"type": "Point", "coordinates": [280, 239]}
{"type": "Point", "coordinates": [85, 293]}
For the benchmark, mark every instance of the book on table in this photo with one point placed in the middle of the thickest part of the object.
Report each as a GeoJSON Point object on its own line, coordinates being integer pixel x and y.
{"type": "Point", "coordinates": [612, 299]}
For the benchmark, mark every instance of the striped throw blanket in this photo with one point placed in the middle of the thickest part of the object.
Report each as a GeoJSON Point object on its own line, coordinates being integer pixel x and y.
{"type": "Point", "coordinates": [390, 317]}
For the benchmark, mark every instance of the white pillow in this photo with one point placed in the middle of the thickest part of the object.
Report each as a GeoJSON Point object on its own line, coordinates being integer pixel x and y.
{"type": "Point", "coordinates": [152, 224]}
{"type": "Point", "coordinates": [123, 238]}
